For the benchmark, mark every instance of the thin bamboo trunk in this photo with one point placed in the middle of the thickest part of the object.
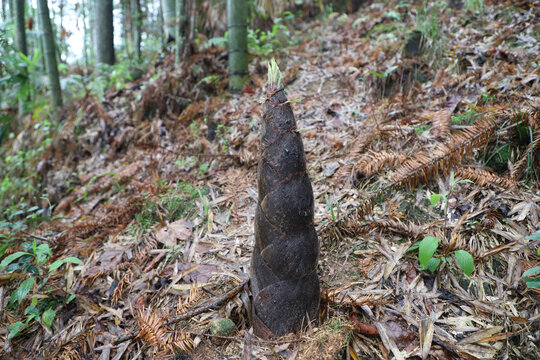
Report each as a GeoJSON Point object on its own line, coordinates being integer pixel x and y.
{"type": "Point", "coordinates": [136, 26]}
{"type": "Point", "coordinates": [20, 33]}
{"type": "Point", "coordinates": [126, 26]}
{"type": "Point", "coordinates": [49, 52]}
{"type": "Point", "coordinates": [104, 32]}
{"type": "Point", "coordinates": [85, 37]}
{"type": "Point", "coordinates": [169, 19]}
{"type": "Point", "coordinates": [238, 54]}
{"type": "Point", "coordinates": [180, 29]}
{"type": "Point", "coordinates": [20, 39]}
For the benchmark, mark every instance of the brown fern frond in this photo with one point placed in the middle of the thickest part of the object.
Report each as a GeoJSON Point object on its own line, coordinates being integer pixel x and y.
{"type": "Point", "coordinates": [441, 119]}
{"type": "Point", "coordinates": [122, 283]}
{"type": "Point", "coordinates": [405, 228]}
{"type": "Point", "coordinates": [441, 123]}
{"type": "Point", "coordinates": [152, 329]}
{"type": "Point", "coordinates": [68, 353]}
{"type": "Point", "coordinates": [351, 223]}
{"type": "Point", "coordinates": [374, 162]}
{"type": "Point", "coordinates": [181, 341]}
{"type": "Point", "coordinates": [195, 294]}
{"type": "Point", "coordinates": [345, 172]}
{"type": "Point", "coordinates": [484, 178]}
{"type": "Point", "coordinates": [527, 157]}
{"type": "Point", "coordinates": [444, 157]}
{"type": "Point", "coordinates": [142, 250]}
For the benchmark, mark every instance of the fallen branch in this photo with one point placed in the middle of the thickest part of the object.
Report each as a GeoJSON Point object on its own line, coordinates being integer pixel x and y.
{"type": "Point", "coordinates": [216, 303]}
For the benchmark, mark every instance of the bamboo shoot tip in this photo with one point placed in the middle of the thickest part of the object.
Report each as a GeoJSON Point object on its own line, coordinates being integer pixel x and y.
{"type": "Point", "coordinates": [274, 75]}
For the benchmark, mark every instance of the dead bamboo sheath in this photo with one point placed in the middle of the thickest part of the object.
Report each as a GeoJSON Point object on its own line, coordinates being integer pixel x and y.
{"type": "Point", "coordinates": [284, 280]}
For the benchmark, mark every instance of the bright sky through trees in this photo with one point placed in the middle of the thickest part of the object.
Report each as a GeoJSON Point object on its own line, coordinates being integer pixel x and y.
{"type": "Point", "coordinates": [74, 26]}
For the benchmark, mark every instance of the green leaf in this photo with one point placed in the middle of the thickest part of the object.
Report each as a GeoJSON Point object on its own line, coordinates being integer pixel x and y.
{"type": "Point", "coordinates": [70, 298]}
{"type": "Point", "coordinates": [414, 246]}
{"type": "Point", "coordinates": [434, 199]}
{"type": "Point", "coordinates": [70, 259]}
{"type": "Point", "coordinates": [427, 248]}
{"type": "Point", "coordinates": [15, 329]}
{"type": "Point", "coordinates": [23, 290]}
{"type": "Point", "coordinates": [330, 207]}
{"type": "Point", "coordinates": [32, 310]}
{"type": "Point", "coordinates": [73, 260]}
{"type": "Point", "coordinates": [465, 261]}
{"type": "Point", "coordinates": [10, 258]}
{"type": "Point", "coordinates": [48, 317]}
{"type": "Point", "coordinates": [533, 236]}
{"type": "Point", "coordinates": [55, 265]}
{"type": "Point", "coordinates": [433, 264]}
{"type": "Point", "coordinates": [3, 249]}
{"type": "Point", "coordinates": [532, 282]}
{"type": "Point", "coordinates": [388, 71]}
{"type": "Point", "coordinates": [42, 252]}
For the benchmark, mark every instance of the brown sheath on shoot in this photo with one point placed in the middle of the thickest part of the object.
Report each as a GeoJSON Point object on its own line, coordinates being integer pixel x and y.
{"type": "Point", "coordinates": [284, 279]}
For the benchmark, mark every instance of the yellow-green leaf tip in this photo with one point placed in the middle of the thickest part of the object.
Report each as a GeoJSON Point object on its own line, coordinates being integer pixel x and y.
{"type": "Point", "coordinates": [274, 75]}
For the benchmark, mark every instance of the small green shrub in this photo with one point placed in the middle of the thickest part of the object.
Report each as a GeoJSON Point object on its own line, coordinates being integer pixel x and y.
{"type": "Point", "coordinates": [176, 203]}
{"type": "Point", "coordinates": [428, 246]}
{"type": "Point", "coordinates": [426, 255]}
{"type": "Point", "coordinates": [32, 262]}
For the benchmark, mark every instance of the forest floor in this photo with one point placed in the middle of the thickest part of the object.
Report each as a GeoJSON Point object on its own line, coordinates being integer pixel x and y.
{"type": "Point", "coordinates": [156, 188]}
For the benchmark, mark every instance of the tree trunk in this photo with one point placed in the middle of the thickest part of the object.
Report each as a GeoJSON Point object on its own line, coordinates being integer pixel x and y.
{"type": "Point", "coordinates": [20, 39]}
{"type": "Point", "coordinates": [91, 27]}
{"type": "Point", "coordinates": [4, 10]}
{"type": "Point", "coordinates": [136, 18]}
{"type": "Point", "coordinates": [169, 19]}
{"type": "Point", "coordinates": [238, 54]}
{"type": "Point", "coordinates": [85, 36]}
{"type": "Point", "coordinates": [127, 36]}
{"type": "Point", "coordinates": [49, 52]}
{"type": "Point", "coordinates": [180, 29]}
{"type": "Point", "coordinates": [11, 9]}
{"type": "Point", "coordinates": [104, 32]}
{"type": "Point", "coordinates": [20, 33]}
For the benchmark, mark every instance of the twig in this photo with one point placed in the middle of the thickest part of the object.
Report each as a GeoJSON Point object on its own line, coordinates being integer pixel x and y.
{"type": "Point", "coordinates": [253, 339]}
{"type": "Point", "coordinates": [217, 302]}
{"type": "Point", "coordinates": [213, 304]}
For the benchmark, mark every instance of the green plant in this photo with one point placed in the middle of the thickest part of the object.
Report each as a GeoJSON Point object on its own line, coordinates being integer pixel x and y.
{"type": "Point", "coordinates": [426, 251]}
{"type": "Point", "coordinates": [210, 79]}
{"type": "Point", "coordinates": [532, 275]}
{"type": "Point", "coordinates": [176, 203]}
{"type": "Point", "coordinates": [420, 129]}
{"type": "Point", "coordinates": [330, 207]}
{"type": "Point", "coordinates": [19, 181]}
{"type": "Point", "coordinates": [32, 261]}
{"type": "Point", "coordinates": [24, 78]}
{"type": "Point", "coordinates": [109, 77]}
{"type": "Point", "coordinates": [427, 22]}
{"type": "Point", "coordinates": [92, 180]}
{"type": "Point", "coordinates": [467, 118]}
{"type": "Point", "coordinates": [265, 43]}
{"type": "Point", "coordinates": [384, 76]}
{"type": "Point", "coordinates": [475, 6]}
{"type": "Point", "coordinates": [428, 246]}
